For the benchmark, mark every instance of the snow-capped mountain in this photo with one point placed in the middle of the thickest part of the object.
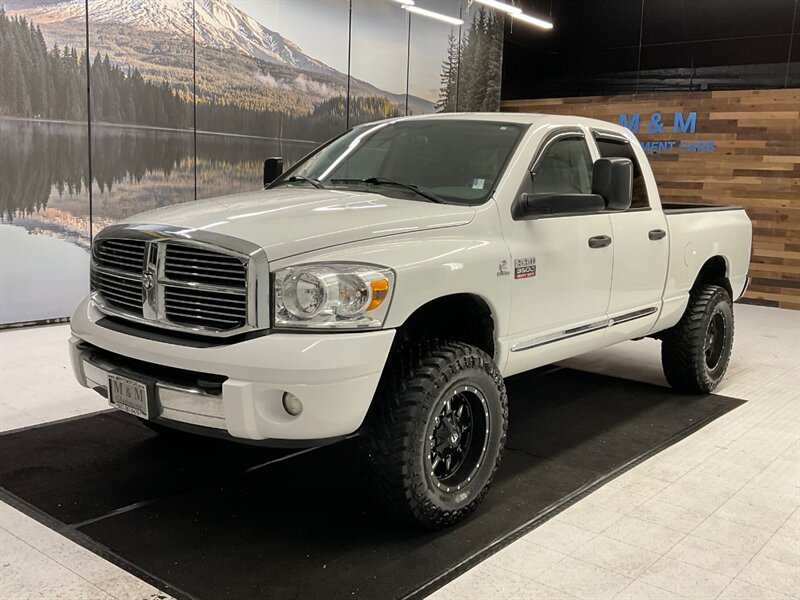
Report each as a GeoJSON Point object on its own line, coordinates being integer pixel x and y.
{"type": "Point", "coordinates": [245, 54]}
{"type": "Point", "coordinates": [218, 24]}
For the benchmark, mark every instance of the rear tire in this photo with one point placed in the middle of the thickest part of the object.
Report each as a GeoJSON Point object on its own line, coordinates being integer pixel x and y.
{"type": "Point", "coordinates": [435, 433]}
{"type": "Point", "coordinates": [695, 353]}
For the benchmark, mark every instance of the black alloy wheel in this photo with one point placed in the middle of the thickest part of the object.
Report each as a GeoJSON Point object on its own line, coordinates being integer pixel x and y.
{"type": "Point", "coordinates": [715, 340]}
{"type": "Point", "coordinates": [458, 439]}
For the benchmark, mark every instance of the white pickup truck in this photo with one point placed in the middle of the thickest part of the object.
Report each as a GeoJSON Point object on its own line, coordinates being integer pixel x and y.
{"type": "Point", "coordinates": [388, 282]}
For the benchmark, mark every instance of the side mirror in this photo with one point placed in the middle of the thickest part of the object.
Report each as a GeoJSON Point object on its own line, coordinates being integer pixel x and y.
{"type": "Point", "coordinates": [273, 168]}
{"type": "Point", "coordinates": [532, 206]}
{"type": "Point", "coordinates": [612, 178]}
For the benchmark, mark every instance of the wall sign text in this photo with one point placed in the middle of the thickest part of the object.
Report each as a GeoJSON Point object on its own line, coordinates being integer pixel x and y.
{"type": "Point", "coordinates": [656, 125]}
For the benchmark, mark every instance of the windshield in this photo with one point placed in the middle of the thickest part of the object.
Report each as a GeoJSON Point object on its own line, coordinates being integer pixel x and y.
{"type": "Point", "coordinates": [445, 160]}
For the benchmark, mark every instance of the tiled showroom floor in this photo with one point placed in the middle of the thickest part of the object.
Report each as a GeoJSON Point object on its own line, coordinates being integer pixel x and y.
{"type": "Point", "coordinates": [715, 516]}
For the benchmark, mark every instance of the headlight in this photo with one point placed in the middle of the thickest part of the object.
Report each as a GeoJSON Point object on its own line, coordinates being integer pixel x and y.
{"type": "Point", "coordinates": [332, 296]}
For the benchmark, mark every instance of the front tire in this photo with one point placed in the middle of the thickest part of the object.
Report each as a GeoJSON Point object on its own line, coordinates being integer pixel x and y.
{"type": "Point", "coordinates": [695, 353]}
{"type": "Point", "coordinates": [435, 433]}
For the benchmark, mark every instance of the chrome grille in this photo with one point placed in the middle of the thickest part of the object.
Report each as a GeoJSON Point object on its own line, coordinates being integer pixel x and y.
{"type": "Point", "coordinates": [217, 292]}
{"type": "Point", "coordinates": [117, 273]}
{"type": "Point", "coordinates": [184, 280]}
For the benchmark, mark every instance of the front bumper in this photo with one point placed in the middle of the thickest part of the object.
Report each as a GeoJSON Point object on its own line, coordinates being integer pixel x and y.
{"type": "Point", "coordinates": [333, 374]}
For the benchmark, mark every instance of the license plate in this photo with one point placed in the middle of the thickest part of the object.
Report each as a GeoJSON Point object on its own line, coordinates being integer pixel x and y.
{"type": "Point", "coordinates": [127, 395]}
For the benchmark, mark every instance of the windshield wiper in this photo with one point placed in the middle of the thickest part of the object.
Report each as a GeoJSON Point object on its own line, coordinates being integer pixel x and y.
{"type": "Point", "coordinates": [384, 181]}
{"type": "Point", "coordinates": [300, 178]}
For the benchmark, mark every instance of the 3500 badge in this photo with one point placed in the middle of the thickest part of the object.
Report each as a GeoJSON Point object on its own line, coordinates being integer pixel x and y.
{"type": "Point", "coordinates": [524, 268]}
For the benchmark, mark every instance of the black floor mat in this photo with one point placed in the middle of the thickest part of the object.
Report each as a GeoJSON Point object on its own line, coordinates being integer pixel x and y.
{"type": "Point", "coordinates": [210, 519]}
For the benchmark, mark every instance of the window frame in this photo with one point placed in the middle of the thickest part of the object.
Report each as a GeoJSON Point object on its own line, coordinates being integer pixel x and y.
{"type": "Point", "coordinates": [618, 138]}
{"type": "Point", "coordinates": [526, 187]}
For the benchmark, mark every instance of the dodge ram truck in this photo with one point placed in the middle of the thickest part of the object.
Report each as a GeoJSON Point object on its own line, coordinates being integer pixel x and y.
{"type": "Point", "coordinates": [385, 285]}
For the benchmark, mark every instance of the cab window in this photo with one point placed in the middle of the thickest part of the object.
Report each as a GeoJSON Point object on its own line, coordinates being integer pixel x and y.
{"type": "Point", "coordinates": [564, 168]}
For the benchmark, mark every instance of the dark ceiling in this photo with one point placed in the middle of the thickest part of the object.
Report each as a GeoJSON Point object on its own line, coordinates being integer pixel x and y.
{"type": "Point", "coordinates": [695, 44]}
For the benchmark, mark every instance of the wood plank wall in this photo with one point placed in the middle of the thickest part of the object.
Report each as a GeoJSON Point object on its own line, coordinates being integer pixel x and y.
{"type": "Point", "coordinates": [756, 164]}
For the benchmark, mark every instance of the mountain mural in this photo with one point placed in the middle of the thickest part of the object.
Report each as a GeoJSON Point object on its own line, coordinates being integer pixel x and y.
{"type": "Point", "coordinates": [238, 59]}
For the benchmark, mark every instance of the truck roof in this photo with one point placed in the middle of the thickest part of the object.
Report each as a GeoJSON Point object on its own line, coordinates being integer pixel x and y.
{"type": "Point", "coordinates": [524, 118]}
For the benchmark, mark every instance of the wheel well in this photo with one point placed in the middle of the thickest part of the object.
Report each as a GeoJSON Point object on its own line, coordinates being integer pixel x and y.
{"type": "Point", "coordinates": [714, 272]}
{"type": "Point", "coordinates": [459, 317]}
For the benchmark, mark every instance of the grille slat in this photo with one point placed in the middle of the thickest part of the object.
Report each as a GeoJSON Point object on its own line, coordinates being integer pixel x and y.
{"type": "Point", "coordinates": [199, 266]}
{"type": "Point", "coordinates": [120, 281]}
{"type": "Point", "coordinates": [233, 303]}
{"type": "Point", "coordinates": [132, 296]}
{"type": "Point", "coordinates": [199, 312]}
{"type": "Point", "coordinates": [204, 258]}
{"type": "Point", "coordinates": [115, 250]}
{"type": "Point", "coordinates": [113, 298]}
{"type": "Point", "coordinates": [201, 276]}
{"type": "Point", "coordinates": [204, 321]}
{"type": "Point", "coordinates": [202, 306]}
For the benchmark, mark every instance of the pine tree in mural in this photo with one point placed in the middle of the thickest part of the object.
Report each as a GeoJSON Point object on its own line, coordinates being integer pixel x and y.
{"type": "Point", "coordinates": [448, 93]}
{"type": "Point", "coordinates": [478, 67]}
{"type": "Point", "coordinates": [493, 74]}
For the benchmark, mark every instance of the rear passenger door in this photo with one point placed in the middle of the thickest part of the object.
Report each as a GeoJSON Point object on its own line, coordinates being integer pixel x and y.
{"type": "Point", "coordinates": [641, 249]}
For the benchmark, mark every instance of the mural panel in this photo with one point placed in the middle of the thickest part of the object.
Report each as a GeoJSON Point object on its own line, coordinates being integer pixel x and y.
{"type": "Point", "coordinates": [271, 81]}
{"type": "Point", "coordinates": [44, 175]}
{"type": "Point", "coordinates": [141, 106]}
{"type": "Point", "coordinates": [378, 61]}
{"type": "Point", "coordinates": [434, 57]}
{"type": "Point", "coordinates": [480, 66]}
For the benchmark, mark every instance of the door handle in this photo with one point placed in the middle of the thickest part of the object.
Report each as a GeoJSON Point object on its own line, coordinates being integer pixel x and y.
{"type": "Point", "coordinates": [657, 234]}
{"type": "Point", "coordinates": [599, 241]}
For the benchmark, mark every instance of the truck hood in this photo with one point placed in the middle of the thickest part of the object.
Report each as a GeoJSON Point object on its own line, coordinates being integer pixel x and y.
{"type": "Point", "coordinates": [291, 221]}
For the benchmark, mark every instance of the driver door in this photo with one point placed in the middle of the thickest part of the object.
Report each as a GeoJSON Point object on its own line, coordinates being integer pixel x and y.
{"type": "Point", "coordinates": [562, 264]}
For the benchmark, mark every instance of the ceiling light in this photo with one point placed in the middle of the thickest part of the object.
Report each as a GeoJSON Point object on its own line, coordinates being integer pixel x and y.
{"type": "Point", "coordinates": [432, 15]}
{"type": "Point", "coordinates": [533, 21]}
{"type": "Point", "coordinates": [406, 2]}
{"type": "Point", "coordinates": [512, 10]}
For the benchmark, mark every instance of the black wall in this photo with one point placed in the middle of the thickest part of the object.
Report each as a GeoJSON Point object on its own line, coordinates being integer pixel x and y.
{"type": "Point", "coordinates": [601, 47]}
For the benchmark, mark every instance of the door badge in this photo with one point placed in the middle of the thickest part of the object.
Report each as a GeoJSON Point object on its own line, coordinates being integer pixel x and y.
{"type": "Point", "coordinates": [503, 268]}
{"type": "Point", "coordinates": [524, 268]}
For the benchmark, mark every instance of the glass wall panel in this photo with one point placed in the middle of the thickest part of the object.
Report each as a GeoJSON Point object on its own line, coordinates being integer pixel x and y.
{"type": "Point", "coordinates": [378, 63]}
{"type": "Point", "coordinates": [433, 71]}
{"type": "Point", "coordinates": [481, 70]}
{"type": "Point", "coordinates": [44, 203]}
{"type": "Point", "coordinates": [271, 81]}
{"type": "Point", "coordinates": [141, 107]}
{"type": "Point", "coordinates": [702, 45]}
